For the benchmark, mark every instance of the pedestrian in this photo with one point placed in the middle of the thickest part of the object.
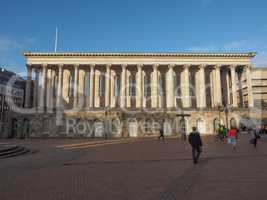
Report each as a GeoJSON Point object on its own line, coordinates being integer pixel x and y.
{"type": "Point", "coordinates": [254, 136]}
{"type": "Point", "coordinates": [232, 137]}
{"type": "Point", "coordinates": [225, 132]}
{"type": "Point", "coordinates": [221, 133]}
{"type": "Point", "coordinates": [196, 144]}
{"type": "Point", "coordinates": [161, 133]}
{"type": "Point", "coordinates": [183, 134]}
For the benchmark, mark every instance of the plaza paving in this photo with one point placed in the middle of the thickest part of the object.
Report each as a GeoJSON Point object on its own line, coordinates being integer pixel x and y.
{"type": "Point", "coordinates": [134, 169]}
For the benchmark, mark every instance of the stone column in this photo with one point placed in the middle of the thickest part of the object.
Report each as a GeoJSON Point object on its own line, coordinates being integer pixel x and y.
{"type": "Point", "coordinates": [43, 90]}
{"type": "Point", "coordinates": [169, 88]}
{"type": "Point", "coordinates": [75, 101]}
{"type": "Point", "coordinates": [154, 88]}
{"type": "Point", "coordinates": [233, 79]}
{"type": "Point", "coordinates": [186, 88]}
{"type": "Point", "coordinates": [123, 86]}
{"type": "Point", "coordinates": [212, 88]}
{"type": "Point", "coordinates": [91, 92]}
{"type": "Point", "coordinates": [28, 87]}
{"type": "Point", "coordinates": [228, 86]}
{"type": "Point", "coordinates": [139, 87]}
{"type": "Point", "coordinates": [107, 86]}
{"type": "Point", "coordinates": [144, 78]}
{"type": "Point", "coordinates": [218, 85]}
{"type": "Point", "coordinates": [113, 87]}
{"type": "Point", "coordinates": [249, 87]}
{"type": "Point", "coordinates": [49, 90]}
{"type": "Point", "coordinates": [36, 88]}
{"type": "Point", "coordinates": [202, 89]}
{"type": "Point", "coordinates": [59, 86]}
{"type": "Point", "coordinates": [81, 87]}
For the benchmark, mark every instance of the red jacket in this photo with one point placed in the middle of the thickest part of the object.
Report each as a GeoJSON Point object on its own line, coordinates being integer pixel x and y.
{"type": "Point", "coordinates": [232, 133]}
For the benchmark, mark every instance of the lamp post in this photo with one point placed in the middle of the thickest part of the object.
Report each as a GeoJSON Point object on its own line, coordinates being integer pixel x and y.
{"type": "Point", "coordinates": [219, 113]}
{"type": "Point", "coordinates": [182, 115]}
{"type": "Point", "coordinates": [106, 123]}
{"type": "Point", "coordinates": [226, 111]}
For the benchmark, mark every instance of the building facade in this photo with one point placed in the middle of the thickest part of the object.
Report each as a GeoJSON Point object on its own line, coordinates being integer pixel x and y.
{"type": "Point", "coordinates": [259, 87]}
{"type": "Point", "coordinates": [137, 92]}
{"type": "Point", "coordinates": [10, 92]}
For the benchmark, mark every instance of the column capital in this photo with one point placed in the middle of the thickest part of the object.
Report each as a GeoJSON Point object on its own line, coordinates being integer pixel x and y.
{"type": "Point", "coordinates": [108, 65]}
{"type": "Point", "coordinates": [217, 66]}
{"type": "Point", "coordinates": [76, 65]}
{"type": "Point", "coordinates": [60, 66]}
{"type": "Point", "coordinates": [232, 66]}
{"type": "Point", "coordinates": [186, 66]}
{"type": "Point", "coordinates": [202, 66]}
{"type": "Point", "coordinates": [171, 66]}
{"type": "Point", "coordinates": [248, 67]}
{"type": "Point", "coordinates": [44, 65]}
{"type": "Point", "coordinates": [29, 66]}
{"type": "Point", "coordinates": [139, 66]}
{"type": "Point", "coordinates": [155, 66]}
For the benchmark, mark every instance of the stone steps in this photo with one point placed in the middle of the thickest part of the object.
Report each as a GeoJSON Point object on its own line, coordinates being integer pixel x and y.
{"type": "Point", "coordinates": [7, 151]}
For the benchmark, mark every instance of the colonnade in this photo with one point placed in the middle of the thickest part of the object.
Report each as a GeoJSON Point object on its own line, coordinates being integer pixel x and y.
{"type": "Point", "coordinates": [136, 86]}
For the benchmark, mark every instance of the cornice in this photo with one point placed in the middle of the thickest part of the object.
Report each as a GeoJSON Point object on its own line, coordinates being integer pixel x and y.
{"type": "Point", "coordinates": [171, 54]}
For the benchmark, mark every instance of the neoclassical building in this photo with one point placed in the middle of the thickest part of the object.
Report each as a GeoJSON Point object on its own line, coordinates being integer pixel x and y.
{"type": "Point", "coordinates": [137, 91]}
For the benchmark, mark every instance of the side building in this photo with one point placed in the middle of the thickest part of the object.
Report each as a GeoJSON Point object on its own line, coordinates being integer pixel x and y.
{"type": "Point", "coordinates": [259, 87]}
{"type": "Point", "coordinates": [10, 91]}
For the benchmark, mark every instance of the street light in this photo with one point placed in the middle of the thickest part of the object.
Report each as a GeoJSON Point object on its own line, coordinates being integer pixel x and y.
{"type": "Point", "coordinates": [183, 125]}
{"type": "Point", "coordinates": [106, 124]}
{"type": "Point", "coordinates": [219, 112]}
{"type": "Point", "coordinates": [226, 111]}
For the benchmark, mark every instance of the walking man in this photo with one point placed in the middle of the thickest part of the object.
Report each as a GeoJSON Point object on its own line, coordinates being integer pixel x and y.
{"type": "Point", "coordinates": [161, 133]}
{"type": "Point", "coordinates": [196, 143]}
{"type": "Point", "coordinates": [254, 134]}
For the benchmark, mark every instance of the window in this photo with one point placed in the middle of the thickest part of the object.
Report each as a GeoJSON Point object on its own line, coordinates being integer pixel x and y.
{"type": "Point", "coordinates": [55, 80]}
{"type": "Point", "coordinates": [147, 86]}
{"type": "Point", "coordinates": [117, 86]}
{"type": "Point", "coordinates": [70, 89]}
{"type": "Point", "coordinates": [132, 89]}
{"type": "Point", "coordinates": [161, 91]}
{"type": "Point", "coordinates": [102, 84]}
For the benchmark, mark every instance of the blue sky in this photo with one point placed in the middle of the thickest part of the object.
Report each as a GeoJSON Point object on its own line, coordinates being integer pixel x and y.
{"type": "Point", "coordinates": [132, 25]}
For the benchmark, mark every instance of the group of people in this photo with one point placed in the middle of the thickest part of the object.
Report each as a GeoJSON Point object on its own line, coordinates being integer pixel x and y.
{"type": "Point", "coordinates": [231, 135]}
{"type": "Point", "coordinates": [195, 140]}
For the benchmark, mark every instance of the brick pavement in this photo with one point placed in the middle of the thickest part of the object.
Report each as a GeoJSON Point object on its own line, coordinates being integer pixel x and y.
{"type": "Point", "coordinates": [134, 169]}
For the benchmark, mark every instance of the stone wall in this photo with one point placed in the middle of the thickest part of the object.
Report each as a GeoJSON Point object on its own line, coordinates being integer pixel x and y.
{"type": "Point", "coordinates": [118, 124]}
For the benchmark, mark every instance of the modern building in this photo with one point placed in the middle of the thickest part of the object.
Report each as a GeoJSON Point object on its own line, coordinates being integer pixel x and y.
{"type": "Point", "coordinates": [14, 92]}
{"type": "Point", "coordinates": [137, 93]}
{"type": "Point", "coordinates": [259, 87]}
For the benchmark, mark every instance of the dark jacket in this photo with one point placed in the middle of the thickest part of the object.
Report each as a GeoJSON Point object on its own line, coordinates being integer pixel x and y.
{"type": "Point", "coordinates": [195, 139]}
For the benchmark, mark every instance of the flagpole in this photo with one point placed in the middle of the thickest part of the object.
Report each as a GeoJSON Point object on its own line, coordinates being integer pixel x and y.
{"type": "Point", "coordinates": [56, 40]}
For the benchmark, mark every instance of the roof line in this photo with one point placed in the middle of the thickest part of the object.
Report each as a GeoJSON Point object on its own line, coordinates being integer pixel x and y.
{"type": "Point", "coordinates": [163, 54]}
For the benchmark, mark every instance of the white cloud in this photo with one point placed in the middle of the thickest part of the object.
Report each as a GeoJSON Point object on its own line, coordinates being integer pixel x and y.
{"type": "Point", "coordinates": [238, 46]}
{"type": "Point", "coordinates": [10, 52]}
{"type": "Point", "coordinates": [7, 44]}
